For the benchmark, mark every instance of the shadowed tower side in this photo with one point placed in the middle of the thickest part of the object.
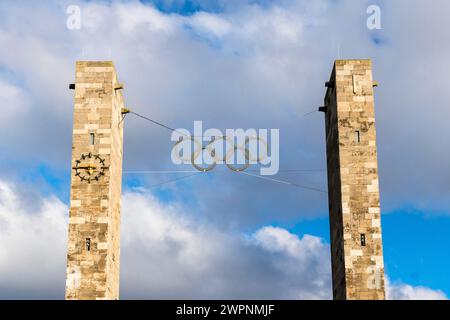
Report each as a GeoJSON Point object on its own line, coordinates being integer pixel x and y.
{"type": "Point", "coordinates": [353, 195]}
{"type": "Point", "coordinates": [94, 219]}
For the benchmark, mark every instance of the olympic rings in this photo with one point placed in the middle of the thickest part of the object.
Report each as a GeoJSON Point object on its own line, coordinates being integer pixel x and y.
{"type": "Point", "coordinates": [199, 149]}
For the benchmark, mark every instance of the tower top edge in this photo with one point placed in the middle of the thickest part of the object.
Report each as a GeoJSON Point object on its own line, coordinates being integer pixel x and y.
{"type": "Point", "coordinates": [93, 63]}
{"type": "Point", "coordinates": [352, 61]}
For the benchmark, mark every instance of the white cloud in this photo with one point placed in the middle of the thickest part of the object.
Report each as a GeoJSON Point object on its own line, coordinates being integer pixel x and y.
{"type": "Point", "coordinates": [280, 240]}
{"type": "Point", "coordinates": [164, 254]}
{"type": "Point", "coordinates": [134, 16]}
{"type": "Point", "coordinates": [14, 102]}
{"type": "Point", "coordinates": [207, 23]}
{"type": "Point", "coordinates": [264, 68]}
{"type": "Point", "coordinates": [252, 66]}
{"type": "Point", "coordinates": [401, 291]}
{"type": "Point", "coordinates": [167, 253]}
{"type": "Point", "coordinates": [32, 247]}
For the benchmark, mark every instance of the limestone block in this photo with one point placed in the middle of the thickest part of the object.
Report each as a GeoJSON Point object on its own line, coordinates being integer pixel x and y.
{"type": "Point", "coordinates": [94, 219]}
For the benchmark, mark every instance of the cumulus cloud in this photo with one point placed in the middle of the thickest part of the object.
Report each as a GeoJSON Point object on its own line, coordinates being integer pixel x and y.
{"type": "Point", "coordinates": [166, 253]}
{"type": "Point", "coordinates": [210, 24]}
{"type": "Point", "coordinates": [224, 69]}
{"type": "Point", "coordinates": [14, 101]}
{"type": "Point", "coordinates": [401, 291]}
{"type": "Point", "coordinates": [32, 246]}
{"type": "Point", "coordinates": [247, 65]}
{"type": "Point", "coordinates": [250, 65]}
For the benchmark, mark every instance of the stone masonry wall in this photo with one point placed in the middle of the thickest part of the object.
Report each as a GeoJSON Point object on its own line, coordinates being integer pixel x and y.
{"type": "Point", "coordinates": [94, 218]}
{"type": "Point", "coordinates": [354, 204]}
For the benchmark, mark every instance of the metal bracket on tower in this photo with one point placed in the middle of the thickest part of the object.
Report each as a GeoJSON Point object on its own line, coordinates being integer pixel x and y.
{"type": "Point", "coordinates": [323, 109]}
{"type": "Point", "coordinates": [125, 111]}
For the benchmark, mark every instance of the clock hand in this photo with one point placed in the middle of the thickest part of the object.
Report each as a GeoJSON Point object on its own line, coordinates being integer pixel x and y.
{"type": "Point", "coordinates": [87, 167]}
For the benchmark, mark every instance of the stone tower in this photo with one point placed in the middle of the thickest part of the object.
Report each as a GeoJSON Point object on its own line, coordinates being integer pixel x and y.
{"type": "Point", "coordinates": [94, 219]}
{"type": "Point", "coordinates": [353, 196]}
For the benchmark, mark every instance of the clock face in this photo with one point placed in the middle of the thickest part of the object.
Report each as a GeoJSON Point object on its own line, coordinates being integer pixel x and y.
{"type": "Point", "coordinates": [90, 167]}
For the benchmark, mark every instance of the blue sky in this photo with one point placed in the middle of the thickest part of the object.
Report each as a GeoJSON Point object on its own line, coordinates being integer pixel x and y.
{"type": "Point", "coordinates": [190, 7]}
{"type": "Point", "coordinates": [408, 237]}
{"type": "Point", "coordinates": [232, 64]}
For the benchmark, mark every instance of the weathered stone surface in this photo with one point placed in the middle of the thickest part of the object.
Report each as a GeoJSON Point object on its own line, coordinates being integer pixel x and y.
{"type": "Point", "coordinates": [353, 195]}
{"type": "Point", "coordinates": [93, 273]}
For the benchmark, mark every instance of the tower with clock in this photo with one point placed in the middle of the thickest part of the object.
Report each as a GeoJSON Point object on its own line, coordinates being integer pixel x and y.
{"type": "Point", "coordinates": [94, 218]}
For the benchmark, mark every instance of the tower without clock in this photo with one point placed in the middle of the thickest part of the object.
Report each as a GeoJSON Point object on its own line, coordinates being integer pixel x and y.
{"type": "Point", "coordinates": [353, 193]}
